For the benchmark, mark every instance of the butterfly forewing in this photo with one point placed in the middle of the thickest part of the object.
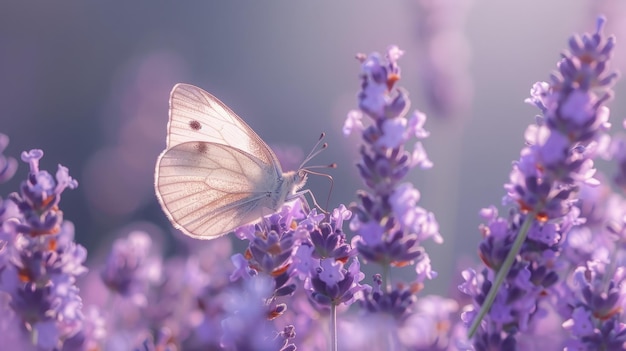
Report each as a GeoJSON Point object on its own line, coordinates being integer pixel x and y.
{"type": "Point", "coordinates": [208, 189]}
{"type": "Point", "coordinates": [196, 115]}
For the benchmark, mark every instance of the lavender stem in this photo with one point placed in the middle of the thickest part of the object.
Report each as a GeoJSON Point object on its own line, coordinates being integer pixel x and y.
{"type": "Point", "coordinates": [333, 327]}
{"type": "Point", "coordinates": [502, 273]}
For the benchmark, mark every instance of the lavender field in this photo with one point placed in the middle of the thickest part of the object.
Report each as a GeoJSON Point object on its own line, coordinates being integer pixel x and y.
{"type": "Point", "coordinates": [475, 199]}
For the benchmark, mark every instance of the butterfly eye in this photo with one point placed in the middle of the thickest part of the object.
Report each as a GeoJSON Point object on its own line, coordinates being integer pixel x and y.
{"type": "Point", "coordinates": [302, 174]}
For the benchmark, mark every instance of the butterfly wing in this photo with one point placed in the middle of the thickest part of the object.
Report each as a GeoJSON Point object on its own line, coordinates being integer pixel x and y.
{"type": "Point", "coordinates": [196, 115]}
{"type": "Point", "coordinates": [209, 189]}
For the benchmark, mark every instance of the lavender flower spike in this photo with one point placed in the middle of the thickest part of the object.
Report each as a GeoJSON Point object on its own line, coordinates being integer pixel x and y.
{"type": "Point", "coordinates": [39, 261]}
{"type": "Point", "coordinates": [544, 185]}
{"type": "Point", "coordinates": [389, 224]}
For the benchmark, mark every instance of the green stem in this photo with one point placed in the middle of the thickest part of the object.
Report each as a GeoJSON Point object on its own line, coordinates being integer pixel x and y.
{"type": "Point", "coordinates": [502, 273]}
{"type": "Point", "coordinates": [33, 336]}
{"type": "Point", "coordinates": [333, 327]}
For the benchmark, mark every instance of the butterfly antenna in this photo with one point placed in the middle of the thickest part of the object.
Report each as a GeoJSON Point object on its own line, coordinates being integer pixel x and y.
{"type": "Point", "coordinates": [316, 150]}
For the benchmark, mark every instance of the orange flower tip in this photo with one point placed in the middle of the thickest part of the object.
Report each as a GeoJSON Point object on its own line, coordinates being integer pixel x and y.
{"type": "Point", "coordinates": [275, 249]}
{"type": "Point", "coordinates": [485, 261]}
{"type": "Point", "coordinates": [273, 315]}
{"type": "Point", "coordinates": [280, 270]}
{"type": "Point", "coordinates": [47, 200]}
{"type": "Point", "coordinates": [247, 255]}
{"type": "Point", "coordinates": [52, 245]}
{"type": "Point", "coordinates": [416, 287]}
{"type": "Point", "coordinates": [391, 80]}
{"type": "Point", "coordinates": [442, 326]}
{"type": "Point", "coordinates": [608, 315]}
{"type": "Point", "coordinates": [23, 275]}
{"type": "Point", "coordinates": [542, 217]}
{"type": "Point", "coordinates": [400, 263]}
{"type": "Point", "coordinates": [524, 208]}
{"type": "Point", "coordinates": [54, 230]}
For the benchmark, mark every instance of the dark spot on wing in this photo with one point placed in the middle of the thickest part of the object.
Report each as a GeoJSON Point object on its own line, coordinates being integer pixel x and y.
{"type": "Point", "coordinates": [195, 125]}
{"type": "Point", "coordinates": [201, 147]}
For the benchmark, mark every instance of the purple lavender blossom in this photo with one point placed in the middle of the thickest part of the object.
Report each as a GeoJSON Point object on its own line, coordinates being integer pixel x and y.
{"type": "Point", "coordinates": [330, 282]}
{"type": "Point", "coordinates": [596, 302]}
{"type": "Point", "coordinates": [264, 273]}
{"type": "Point", "coordinates": [592, 298]}
{"type": "Point", "coordinates": [544, 184]}
{"type": "Point", "coordinates": [160, 342]}
{"type": "Point", "coordinates": [247, 326]}
{"type": "Point", "coordinates": [388, 223]}
{"type": "Point", "coordinates": [297, 250]}
{"type": "Point", "coordinates": [39, 259]}
{"type": "Point", "coordinates": [130, 268]}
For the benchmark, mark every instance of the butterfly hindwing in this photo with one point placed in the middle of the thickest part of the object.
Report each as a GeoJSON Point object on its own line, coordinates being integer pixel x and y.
{"type": "Point", "coordinates": [208, 189]}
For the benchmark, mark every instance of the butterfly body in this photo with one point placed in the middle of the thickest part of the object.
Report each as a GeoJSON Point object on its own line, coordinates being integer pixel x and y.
{"type": "Point", "coordinates": [216, 173]}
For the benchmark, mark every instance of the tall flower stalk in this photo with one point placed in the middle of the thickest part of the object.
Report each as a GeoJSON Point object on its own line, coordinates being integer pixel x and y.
{"type": "Point", "coordinates": [520, 252]}
{"type": "Point", "coordinates": [39, 260]}
{"type": "Point", "coordinates": [292, 250]}
{"type": "Point", "coordinates": [389, 225]}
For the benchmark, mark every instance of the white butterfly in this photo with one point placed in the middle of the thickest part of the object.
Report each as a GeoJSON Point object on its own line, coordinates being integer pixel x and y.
{"type": "Point", "coordinates": [216, 174]}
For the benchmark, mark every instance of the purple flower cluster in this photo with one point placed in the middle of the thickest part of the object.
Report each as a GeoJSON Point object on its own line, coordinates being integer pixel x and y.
{"type": "Point", "coordinates": [8, 165]}
{"type": "Point", "coordinates": [389, 225]}
{"type": "Point", "coordinates": [305, 256]}
{"type": "Point", "coordinates": [39, 261]}
{"type": "Point", "coordinates": [525, 271]}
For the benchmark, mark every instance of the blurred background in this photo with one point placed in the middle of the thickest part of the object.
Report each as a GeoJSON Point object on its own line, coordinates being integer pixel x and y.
{"type": "Point", "coordinates": [88, 82]}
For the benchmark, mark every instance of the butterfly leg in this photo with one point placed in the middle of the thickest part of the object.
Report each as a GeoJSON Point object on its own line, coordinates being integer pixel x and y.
{"type": "Point", "coordinates": [305, 203]}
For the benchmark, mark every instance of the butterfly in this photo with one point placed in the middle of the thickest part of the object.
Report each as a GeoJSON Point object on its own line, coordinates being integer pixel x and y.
{"type": "Point", "coordinates": [216, 174]}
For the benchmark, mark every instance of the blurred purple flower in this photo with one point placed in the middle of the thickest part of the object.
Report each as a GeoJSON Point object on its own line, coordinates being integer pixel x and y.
{"type": "Point", "coordinates": [115, 175]}
{"type": "Point", "coordinates": [444, 55]}
{"type": "Point", "coordinates": [130, 267]}
{"type": "Point", "coordinates": [596, 300]}
{"type": "Point", "coordinates": [8, 165]}
{"type": "Point", "coordinates": [246, 326]}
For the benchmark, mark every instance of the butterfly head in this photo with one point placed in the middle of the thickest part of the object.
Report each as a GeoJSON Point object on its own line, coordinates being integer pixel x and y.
{"type": "Point", "coordinates": [296, 180]}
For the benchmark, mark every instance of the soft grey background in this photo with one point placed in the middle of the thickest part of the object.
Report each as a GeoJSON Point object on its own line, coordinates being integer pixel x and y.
{"type": "Point", "coordinates": [88, 82]}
